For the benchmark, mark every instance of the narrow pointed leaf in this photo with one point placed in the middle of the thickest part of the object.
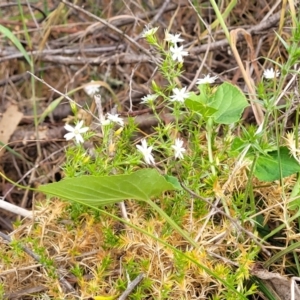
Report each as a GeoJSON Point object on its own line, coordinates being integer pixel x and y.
{"type": "Point", "coordinates": [9, 34]}
{"type": "Point", "coordinates": [95, 191]}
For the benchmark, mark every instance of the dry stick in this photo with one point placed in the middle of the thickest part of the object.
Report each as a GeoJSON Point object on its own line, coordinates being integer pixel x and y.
{"type": "Point", "coordinates": [253, 29]}
{"type": "Point", "coordinates": [25, 292]}
{"type": "Point", "coordinates": [160, 12]}
{"type": "Point", "coordinates": [131, 286]}
{"type": "Point", "coordinates": [130, 87]}
{"type": "Point", "coordinates": [32, 176]}
{"type": "Point", "coordinates": [257, 110]}
{"type": "Point", "coordinates": [112, 27]}
{"type": "Point", "coordinates": [30, 6]}
{"type": "Point", "coordinates": [53, 89]}
{"type": "Point", "coordinates": [51, 55]}
{"type": "Point", "coordinates": [32, 14]}
{"type": "Point", "coordinates": [294, 77]}
{"type": "Point", "coordinates": [31, 170]}
{"type": "Point", "coordinates": [211, 213]}
{"type": "Point", "coordinates": [192, 84]}
{"type": "Point", "coordinates": [97, 99]}
{"type": "Point", "coordinates": [16, 78]}
{"type": "Point", "coordinates": [241, 228]}
{"type": "Point", "coordinates": [189, 88]}
{"type": "Point", "coordinates": [200, 18]}
{"type": "Point", "coordinates": [122, 203]}
{"type": "Point", "coordinates": [283, 93]}
{"type": "Point", "coordinates": [36, 257]}
{"type": "Point", "coordinates": [15, 209]}
{"type": "Point", "coordinates": [13, 270]}
{"type": "Point", "coordinates": [10, 53]}
{"type": "Point", "coordinates": [122, 58]}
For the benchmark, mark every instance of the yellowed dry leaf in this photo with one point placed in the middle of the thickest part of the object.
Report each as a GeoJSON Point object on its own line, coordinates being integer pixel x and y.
{"type": "Point", "coordinates": [8, 124]}
{"type": "Point", "coordinates": [279, 285]}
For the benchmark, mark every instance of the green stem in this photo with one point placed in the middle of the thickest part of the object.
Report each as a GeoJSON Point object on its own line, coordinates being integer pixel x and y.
{"type": "Point", "coordinates": [220, 17]}
{"type": "Point", "coordinates": [209, 133]}
{"type": "Point", "coordinates": [209, 137]}
{"type": "Point", "coordinates": [173, 224]}
{"type": "Point", "coordinates": [282, 226]}
{"type": "Point", "coordinates": [249, 190]}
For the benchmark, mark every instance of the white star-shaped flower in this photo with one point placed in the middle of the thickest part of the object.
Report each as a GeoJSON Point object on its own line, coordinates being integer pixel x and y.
{"type": "Point", "coordinates": [115, 118]}
{"type": "Point", "coordinates": [178, 53]}
{"type": "Point", "coordinates": [179, 95]}
{"type": "Point", "coordinates": [149, 98]}
{"type": "Point", "coordinates": [146, 151]}
{"type": "Point", "coordinates": [178, 149]}
{"type": "Point", "coordinates": [92, 88]}
{"type": "Point", "coordinates": [271, 74]}
{"type": "Point", "coordinates": [75, 132]}
{"type": "Point", "coordinates": [207, 79]}
{"type": "Point", "coordinates": [173, 38]}
{"type": "Point", "coordinates": [149, 31]}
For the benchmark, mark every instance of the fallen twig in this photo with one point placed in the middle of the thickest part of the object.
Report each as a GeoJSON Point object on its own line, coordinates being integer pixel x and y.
{"type": "Point", "coordinates": [65, 284]}
{"type": "Point", "coordinates": [131, 286]}
{"type": "Point", "coordinates": [235, 222]}
{"type": "Point", "coordinates": [15, 209]}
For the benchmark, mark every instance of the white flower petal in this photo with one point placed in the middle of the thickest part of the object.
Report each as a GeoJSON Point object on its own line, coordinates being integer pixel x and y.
{"type": "Point", "coordinates": [178, 53]}
{"type": "Point", "coordinates": [68, 136]}
{"type": "Point", "coordinates": [173, 38]}
{"type": "Point", "coordinates": [178, 149]}
{"type": "Point", "coordinates": [69, 127]}
{"type": "Point", "coordinates": [149, 98]}
{"type": "Point", "coordinates": [83, 130]}
{"type": "Point", "coordinates": [150, 159]}
{"type": "Point", "coordinates": [106, 122]}
{"type": "Point", "coordinates": [149, 31]}
{"type": "Point", "coordinates": [207, 79]}
{"type": "Point", "coordinates": [270, 73]}
{"type": "Point", "coordinates": [144, 144]}
{"type": "Point", "coordinates": [115, 118]}
{"type": "Point", "coordinates": [92, 88]}
{"type": "Point", "coordinates": [179, 95]}
{"type": "Point", "coordinates": [79, 125]}
{"type": "Point", "coordinates": [79, 138]}
{"type": "Point", "coordinates": [75, 132]}
{"type": "Point", "coordinates": [146, 151]}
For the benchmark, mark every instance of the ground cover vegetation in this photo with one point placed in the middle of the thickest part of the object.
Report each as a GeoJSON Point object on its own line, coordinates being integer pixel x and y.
{"type": "Point", "coordinates": [149, 150]}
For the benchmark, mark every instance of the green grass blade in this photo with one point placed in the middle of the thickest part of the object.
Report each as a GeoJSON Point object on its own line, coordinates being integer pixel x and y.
{"type": "Point", "coordinates": [6, 32]}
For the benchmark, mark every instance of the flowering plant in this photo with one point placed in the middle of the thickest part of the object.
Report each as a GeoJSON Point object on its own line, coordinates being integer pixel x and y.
{"type": "Point", "coordinates": [128, 163]}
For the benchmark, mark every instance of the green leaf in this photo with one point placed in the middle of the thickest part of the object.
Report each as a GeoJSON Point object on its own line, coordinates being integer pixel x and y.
{"type": "Point", "coordinates": [225, 106]}
{"type": "Point", "coordinates": [197, 103]}
{"type": "Point", "coordinates": [267, 166]}
{"type": "Point", "coordinates": [230, 102]}
{"type": "Point", "coordinates": [5, 31]}
{"type": "Point", "coordinates": [174, 181]}
{"type": "Point", "coordinates": [95, 191]}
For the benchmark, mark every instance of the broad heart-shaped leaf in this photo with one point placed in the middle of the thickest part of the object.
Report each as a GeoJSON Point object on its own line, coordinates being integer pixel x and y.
{"type": "Point", "coordinates": [198, 104]}
{"type": "Point", "coordinates": [267, 166]}
{"type": "Point", "coordinates": [95, 191]}
{"type": "Point", "coordinates": [230, 102]}
{"type": "Point", "coordinates": [174, 181]}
